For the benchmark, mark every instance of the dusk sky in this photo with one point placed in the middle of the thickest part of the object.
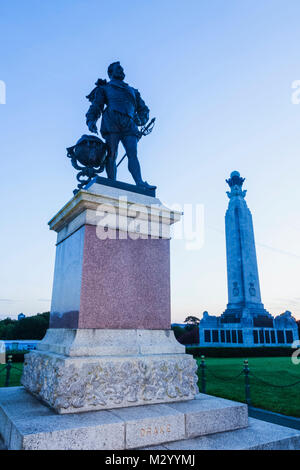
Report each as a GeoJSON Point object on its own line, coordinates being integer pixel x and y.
{"type": "Point", "coordinates": [217, 75]}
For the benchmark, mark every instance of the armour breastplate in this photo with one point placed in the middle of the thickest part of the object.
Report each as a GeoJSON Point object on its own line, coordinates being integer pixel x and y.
{"type": "Point", "coordinates": [121, 99]}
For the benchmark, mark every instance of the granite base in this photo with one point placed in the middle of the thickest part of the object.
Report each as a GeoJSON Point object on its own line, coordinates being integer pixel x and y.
{"type": "Point", "coordinates": [83, 370]}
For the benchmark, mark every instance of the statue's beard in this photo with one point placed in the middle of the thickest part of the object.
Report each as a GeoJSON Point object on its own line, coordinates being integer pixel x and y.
{"type": "Point", "coordinates": [121, 76]}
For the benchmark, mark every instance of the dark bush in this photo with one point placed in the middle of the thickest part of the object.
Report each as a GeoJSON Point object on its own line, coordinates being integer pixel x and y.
{"type": "Point", "coordinates": [16, 356]}
{"type": "Point", "coordinates": [190, 336]}
{"type": "Point", "coordinates": [240, 352]}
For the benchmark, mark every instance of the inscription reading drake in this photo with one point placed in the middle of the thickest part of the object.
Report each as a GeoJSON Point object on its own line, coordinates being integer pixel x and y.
{"type": "Point", "coordinates": [155, 430]}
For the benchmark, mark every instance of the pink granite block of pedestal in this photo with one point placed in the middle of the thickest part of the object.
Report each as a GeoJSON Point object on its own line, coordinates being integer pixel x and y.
{"type": "Point", "coordinates": [125, 283]}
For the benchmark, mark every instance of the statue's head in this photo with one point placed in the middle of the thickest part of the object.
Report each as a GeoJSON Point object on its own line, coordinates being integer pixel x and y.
{"type": "Point", "coordinates": [115, 70]}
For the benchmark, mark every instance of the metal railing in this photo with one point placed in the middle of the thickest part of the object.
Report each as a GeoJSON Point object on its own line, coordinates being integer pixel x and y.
{"type": "Point", "coordinates": [7, 370]}
{"type": "Point", "coordinates": [247, 375]}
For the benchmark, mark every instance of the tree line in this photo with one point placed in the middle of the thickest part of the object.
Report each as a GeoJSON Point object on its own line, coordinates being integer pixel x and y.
{"type": "Point", "coordinates": [33, 327]}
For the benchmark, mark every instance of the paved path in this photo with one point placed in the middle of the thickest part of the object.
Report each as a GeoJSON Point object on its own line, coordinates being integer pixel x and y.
{"type": "Point", "coordinates": [275, 418]}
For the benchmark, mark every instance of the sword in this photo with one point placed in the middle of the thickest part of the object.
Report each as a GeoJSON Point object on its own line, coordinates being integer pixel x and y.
{"type": "Point", "coordinates": [145, 130]}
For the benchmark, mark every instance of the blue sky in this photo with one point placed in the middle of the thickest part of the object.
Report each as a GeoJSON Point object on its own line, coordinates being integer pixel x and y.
{"type": "Point", "coordinates": [217, 74]}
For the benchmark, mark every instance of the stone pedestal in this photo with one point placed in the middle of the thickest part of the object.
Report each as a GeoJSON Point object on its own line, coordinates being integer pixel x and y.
{"type": "Point", "coordinates": [93, 369]}
{"type": "Point", "coordinates": [110, 344]}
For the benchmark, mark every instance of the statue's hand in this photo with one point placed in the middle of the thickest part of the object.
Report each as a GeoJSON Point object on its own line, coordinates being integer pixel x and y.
{"type": "Point", "coordinates": [137, 120]}
{"type": "Point", "coordinates": [92, 127]}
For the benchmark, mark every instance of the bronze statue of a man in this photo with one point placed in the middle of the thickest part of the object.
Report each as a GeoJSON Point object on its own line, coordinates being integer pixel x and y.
{"type": "Point", "coordinates": [122, 110]}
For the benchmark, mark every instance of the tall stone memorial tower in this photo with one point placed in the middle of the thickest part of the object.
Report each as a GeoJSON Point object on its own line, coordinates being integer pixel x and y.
{"type": "Point", "coordinates": [245, 322]}
{"type": "Point", "coordinates": [242, 273]}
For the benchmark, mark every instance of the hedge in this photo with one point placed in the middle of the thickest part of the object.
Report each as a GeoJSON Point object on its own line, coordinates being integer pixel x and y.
{"type": "Point", "coordinates": [240, 352]}
{"type": "Point", "coordinates": [17, 355]}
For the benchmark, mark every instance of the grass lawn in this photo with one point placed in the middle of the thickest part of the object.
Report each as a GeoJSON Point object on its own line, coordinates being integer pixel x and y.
{"type": "Point", "coordinates": [274, 370]}
{"type": "Point", "coordinates": [15, 374]}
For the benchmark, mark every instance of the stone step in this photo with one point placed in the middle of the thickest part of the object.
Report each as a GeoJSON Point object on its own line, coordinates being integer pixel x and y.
{"type": "Point", "coordinates": [259, 435]}
{"type": "Point", "coordinates": [26, 423]}
{"type": "Point", "coordinates": [162, 423]}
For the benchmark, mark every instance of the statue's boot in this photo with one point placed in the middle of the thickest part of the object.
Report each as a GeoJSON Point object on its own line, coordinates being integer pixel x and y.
{"type": "Point", "coordinates": [145, 185]}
